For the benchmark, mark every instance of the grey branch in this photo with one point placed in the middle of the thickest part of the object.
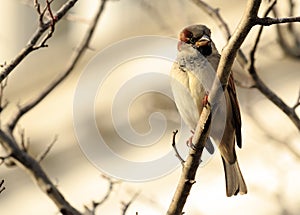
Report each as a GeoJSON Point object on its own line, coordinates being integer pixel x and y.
{"type": "Point", "coordinates": [79, 51]}
{"type": "Point", "coordinates": [2, 188]}
{"type": "Point", "coordinates": [96, 204]}
{"type": "Point", "coordinates": [249, 65]}
{"type": "Point", "coordinates": [47, 150]}
{"type": "Point", "coordinates": [127, 204]}
{"type": "Point", "coordinates": [7, 140]}
{"type": "Point", "coordinates": [31, 45]}
{"type": "Point", "coordinates": [25, 160]}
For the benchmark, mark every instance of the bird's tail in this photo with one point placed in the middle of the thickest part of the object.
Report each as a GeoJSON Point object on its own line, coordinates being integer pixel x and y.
{"type": "Point", "coordinates": [234, 179]}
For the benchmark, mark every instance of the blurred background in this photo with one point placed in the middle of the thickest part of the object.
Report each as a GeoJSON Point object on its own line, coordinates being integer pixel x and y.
{"type": "Point", "coordinates": [269, 159]}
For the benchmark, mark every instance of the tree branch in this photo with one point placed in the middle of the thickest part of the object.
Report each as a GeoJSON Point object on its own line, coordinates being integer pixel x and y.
{"type": "Point", "coordinates": [127, 204]}
{"type": "Point", "coordinates": [2, 188]}
{"type": "Point", "coordinates": [267, 21]}
{"type": "Point", "coordinates": [10, 145]}
{"type": "Point", "coordinates": [201, 133]}
{"type": "Point", "coordinates": [260, 85]}
{"type": "Point", "coordinates": [33, 167]}
{"type": "Point", "coordinates": [79, 51]}
{"type": "Point", "coordinates": [249, 66]}
{"type": "Point", "coordinates": [30, 46]}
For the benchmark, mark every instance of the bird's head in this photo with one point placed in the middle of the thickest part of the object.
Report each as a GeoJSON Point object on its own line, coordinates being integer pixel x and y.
{"type": "Point", "coordinates": [198, 36]}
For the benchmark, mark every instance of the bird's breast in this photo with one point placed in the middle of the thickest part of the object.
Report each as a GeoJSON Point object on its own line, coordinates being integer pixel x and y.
{"type": "Point", "coordinates": [188, 94]}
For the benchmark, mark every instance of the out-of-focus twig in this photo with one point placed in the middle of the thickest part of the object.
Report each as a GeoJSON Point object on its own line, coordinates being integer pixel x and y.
{"type": "Point", "coordinates": [3, 104]}
{"type": "Point", "coordinates": [36, 37]}
{"type": "Point", "coordinates": [47, 150]}
{"type": "Point", "coordinates": [96, 204]}
{"type": "Point", "coordinates": [175, 148]}
{"type": "Point", "coordinates": [127, 204]}
{"type": "Point", "coordinates": [62, 76]}
{"type": "Point", "coordinates": [249, 66]}
{"type": "Point", "coordinates": [17, 153]}
{"type": "Point", "coordinates": [288, 38]}
{"type": "Point", "coordinates": [2, 188]}
{"type": "Point", "coordinates": [261, 86]}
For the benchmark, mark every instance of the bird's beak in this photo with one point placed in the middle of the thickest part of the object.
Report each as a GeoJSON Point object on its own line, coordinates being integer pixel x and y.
{"type": "Point", "coordinates": [203, 41]}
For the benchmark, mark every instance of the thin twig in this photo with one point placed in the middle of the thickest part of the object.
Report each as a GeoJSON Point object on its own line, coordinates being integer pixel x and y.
{"type": "Point", "coordinates": [175, 148]}
{"type": "Point", "coordinates": [2, 188]}
{"type": "Point", "coordinates": [297, 102]}
{"type": "Point", "coordinates": [95, 204]}
{"type": "Point", "coordinates": [34, 40]}
{"type": "Point", "coordinates": [3, 85]}
{"type": "Point", "coordinates": [47, 150]}
{"type": "Point", "coordinates": [126, 205]}
{"type": "Point", "coordinates": [214, 13]}
{"type": "Point", "coordinates": [261, 86]}
{"type": "Point", "coordinates": [267, 21]}
{"type": "Point", "coordinates": [7, 140]}
{"type": "Point", "coordinates": [3, 158]}
{"type": "Point", "coordinates": [53, 20]}
{"type": "Point", "coordinates": [62, 76]}
{"type": "Point", "coordinates": [288, 39]}
{"type": "Point", "coordinates": [23, 159]}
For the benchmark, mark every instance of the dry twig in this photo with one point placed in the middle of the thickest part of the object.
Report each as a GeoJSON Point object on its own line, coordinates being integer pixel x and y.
{"type": "Point", "coordinates": [175, 148]}
{"type": "Point", "coordinates": [79, 51]}
{"type": "Point", "coordinates": [127, 204]}
{"type": "Point", "coordinates": [96, 204]}
{"type": "Point", "coordinates": [2, 188]}
{"type": "Point", "coordinates": [7, 139]}
{"type": "Point", "coordinates": [31, 45]}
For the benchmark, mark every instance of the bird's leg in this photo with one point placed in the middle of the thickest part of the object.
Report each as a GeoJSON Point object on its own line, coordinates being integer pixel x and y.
{"type": "Point", "coordinates": [205, 99]}
{"type": "Point", "coordinates": [190, 143]}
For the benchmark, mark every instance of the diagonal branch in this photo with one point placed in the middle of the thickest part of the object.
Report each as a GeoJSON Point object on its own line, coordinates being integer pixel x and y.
{"type": "Point", "coordinates": [21, 157]}
{"type": "Point", "coordinates": [262, 87]}
{"type": "Point", "coordinates": [79, 51]}
{"type": "Point", "coordinates": [35, 38]}
{"type": "Point", "coordinates": [259, 84]}
{"type": "Point", "coordinates": [214, 13]}
{"type": "Point", "coordinates": [2, 188]}
{"type": "Point", "coordinates": [127, 204]}
{"type": "Point", "coordinates": [25, 160]}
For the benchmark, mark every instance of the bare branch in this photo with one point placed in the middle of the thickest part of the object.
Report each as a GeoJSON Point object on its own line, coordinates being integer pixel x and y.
{"type": "Point", "coordinates": [24, 145]}
{"type": "Point", "coordinates": [267, 21]}
{"type": "Point", "coordinates": [214, 13]}
{"type": "Point", "coordinates": [3, 158]}
{"type": "Point", "coordinates": [7, 140]}
{"type": "Point", "coordinates": [35, 38]}
{"type": "Point", "coordinates": [23, 159]}
{"type": "Point", "coordinates": [79, 51]}
{"type": "Point", "coordinates": [175, 148]}
{"type": "Point", "coordinates": [297, 104]}
{"type": "Point", "coordinates": [126, 205]}
{"type": "Point", "coordinates": [46, 152]}
{"type": "Point", "coordinates": [52, 24]}
{"type": "Point", "coordinates": [2, 188]}
{"type": "Point", "coordinates": [288, 38]}
{"type": "Point", "coordinates": [4, 104]}
{"type": "Point", "coordinates": [95, 204]}
{"type": "Point", "coordinates": [260, 85]}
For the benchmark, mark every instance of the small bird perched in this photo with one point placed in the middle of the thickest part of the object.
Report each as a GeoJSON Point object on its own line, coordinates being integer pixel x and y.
{"type": "Point", "coordinates": [192, 75]}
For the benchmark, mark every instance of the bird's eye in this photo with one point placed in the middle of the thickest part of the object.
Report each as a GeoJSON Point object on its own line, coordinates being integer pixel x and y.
{"type": "Point", "coordinates": [192, 40]}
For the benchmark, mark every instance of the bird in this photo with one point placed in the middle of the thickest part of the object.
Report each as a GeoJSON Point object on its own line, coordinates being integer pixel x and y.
{"type": "Point", "coordinates": [192, 75]}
